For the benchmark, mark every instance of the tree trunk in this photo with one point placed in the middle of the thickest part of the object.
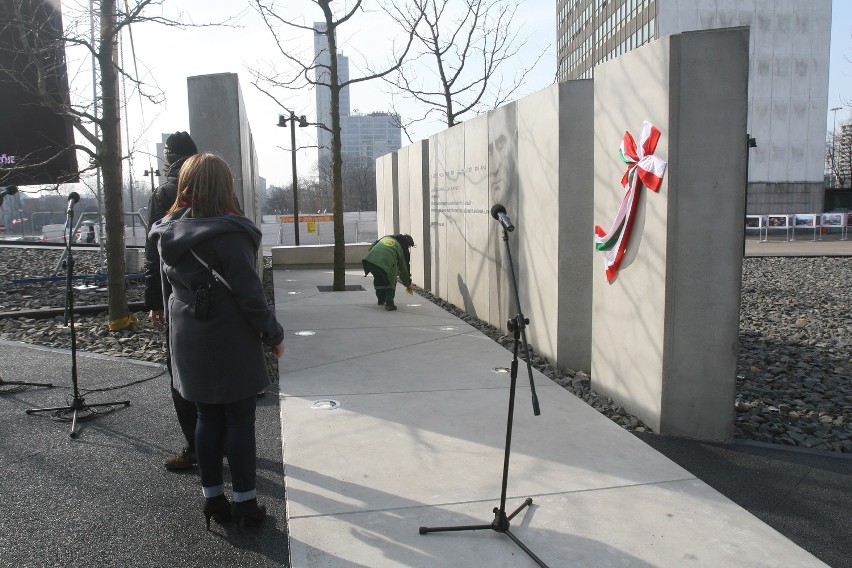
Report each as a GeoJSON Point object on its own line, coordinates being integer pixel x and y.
{"type": "Point", "coordinates": [110, 162]}
{"type": "Point", "coordinates": [339, 283]}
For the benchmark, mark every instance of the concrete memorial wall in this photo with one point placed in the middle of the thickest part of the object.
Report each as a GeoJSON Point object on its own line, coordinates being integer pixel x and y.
{"type": "Point", "coordinates": [554, 219]}
{"type": "Point", "coordinates": [387, 208]}
{"type": "Point", "coordinates": [665, 326]}
{"type": "Point", "coordinates": [416, 164]}
{"type": "Point", "coordinates": [513, 156]}
{"type": "Point", "coordinates": [473, 287]}
{"type": "Point", "coordinates": [658, 331]}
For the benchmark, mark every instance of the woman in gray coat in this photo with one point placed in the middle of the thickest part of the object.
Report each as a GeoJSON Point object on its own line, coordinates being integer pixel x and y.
{"type": "Point", "coordinates": [218, 322]}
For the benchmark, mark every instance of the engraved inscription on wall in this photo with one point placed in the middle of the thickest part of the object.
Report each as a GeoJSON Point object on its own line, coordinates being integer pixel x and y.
{"type": "Point", "coordinates": [447, 195]}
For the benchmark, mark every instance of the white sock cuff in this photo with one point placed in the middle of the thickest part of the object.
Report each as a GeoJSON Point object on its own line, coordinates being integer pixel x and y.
{"type": "Point", "coordinates": [215, 491]}
{"type": "Point", "coordinates": [245, 496]}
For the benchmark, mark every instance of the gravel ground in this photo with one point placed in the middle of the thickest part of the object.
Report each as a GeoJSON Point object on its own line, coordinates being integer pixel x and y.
{"type": "Point", "coordinates": [794, 374]}
{"type": "Point", "coordinates": [141, 341]}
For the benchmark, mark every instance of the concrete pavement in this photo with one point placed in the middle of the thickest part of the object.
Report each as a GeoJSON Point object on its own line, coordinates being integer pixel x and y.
{"type": "Point", "coordinates": [416, 436]}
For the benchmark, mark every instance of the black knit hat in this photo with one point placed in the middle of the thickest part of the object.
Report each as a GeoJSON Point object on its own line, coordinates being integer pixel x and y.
{"type": "Point", "coordinates": [179, 145]}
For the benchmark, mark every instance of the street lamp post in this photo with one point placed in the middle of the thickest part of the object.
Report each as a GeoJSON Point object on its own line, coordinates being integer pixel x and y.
{"type": "Point", "coordinates": [833, 140]}
{"type": "Point", "coordinates": [282, 121]}
{"type": "Point", "coordinates": [151, 173]}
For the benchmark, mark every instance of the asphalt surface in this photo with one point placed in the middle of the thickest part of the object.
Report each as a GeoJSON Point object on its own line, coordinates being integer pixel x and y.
{"type": "Point", "coordinates": [805, 495]}
{"type": "Point", "coordinates": [104, 498]}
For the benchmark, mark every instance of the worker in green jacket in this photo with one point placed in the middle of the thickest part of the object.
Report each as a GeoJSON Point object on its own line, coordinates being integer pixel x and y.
{"type": "Point", "coordinates": [387, 260]}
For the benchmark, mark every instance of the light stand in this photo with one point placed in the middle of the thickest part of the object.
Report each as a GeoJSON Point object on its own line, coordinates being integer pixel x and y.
{"type": "Point", "coordinates": [517, 326]}
{"type": "Point", "coordinates": [78, 409]}
{"type": "Point", "coordinates": [282, 121]}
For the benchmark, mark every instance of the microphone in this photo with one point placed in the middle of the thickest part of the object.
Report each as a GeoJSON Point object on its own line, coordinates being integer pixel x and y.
{"type": "Point", "coordinates": [499, 213]}
{"type": "Point", "coordinates": [8, 190]}
{"type": "Point", "coordinates": [73, 198]}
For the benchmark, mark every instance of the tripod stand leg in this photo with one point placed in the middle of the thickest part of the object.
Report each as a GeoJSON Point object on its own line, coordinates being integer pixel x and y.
{"type": "Point", "coordinates": [424, 530]}
{"type": "Point", "coordinates": [529, 552]}
{"type": "Point", "coordinates": [527, 502]}
{"type": "Point", "coordinates": [23, 384]}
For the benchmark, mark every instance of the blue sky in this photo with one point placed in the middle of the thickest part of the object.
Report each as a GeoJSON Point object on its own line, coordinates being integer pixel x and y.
{"type": "Point", "coordinates": [840, 65]}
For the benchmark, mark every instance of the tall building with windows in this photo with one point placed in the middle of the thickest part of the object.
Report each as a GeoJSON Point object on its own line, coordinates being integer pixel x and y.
{"type": "Point", "coordinates": [370, 135]}
{"type": "Point", "coordinates": [322, 58]}
{"type": "Point", "coordinates": [788, 77]}
{"type": "Point", "coordinates": [367, 135]}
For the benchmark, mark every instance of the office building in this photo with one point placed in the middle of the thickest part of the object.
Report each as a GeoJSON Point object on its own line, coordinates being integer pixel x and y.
{"type": "Point", "coordinates": [788, 77]}
{"type": "Point", "coordinates": [322, 58]}
{"type": "Point", "coordinates": [363, 135]}
{"type": "Point", "coordinates": [370, 135]}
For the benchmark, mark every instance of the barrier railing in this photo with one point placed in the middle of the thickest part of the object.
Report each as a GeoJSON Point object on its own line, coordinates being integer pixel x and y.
{"type": "Point", "coordinates": [814, 223]}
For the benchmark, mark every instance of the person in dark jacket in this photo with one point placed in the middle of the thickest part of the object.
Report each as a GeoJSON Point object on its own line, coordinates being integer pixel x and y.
{"type": "Point", "coordinates": [218, 323]}
{"type": "Point", "coordinates": [179, 146]}
{"type": "Point", "coordinates": [388, 259]}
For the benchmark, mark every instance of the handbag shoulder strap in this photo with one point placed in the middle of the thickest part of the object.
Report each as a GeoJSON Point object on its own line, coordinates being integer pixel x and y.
{"type": "Point", "coordinates": [212, 270]}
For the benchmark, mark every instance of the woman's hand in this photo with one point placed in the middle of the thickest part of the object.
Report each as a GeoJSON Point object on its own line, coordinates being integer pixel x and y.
{"type": "Point", "coordinates": [156, 318]}
{"type": "Point", "coordinates": [278, 350]}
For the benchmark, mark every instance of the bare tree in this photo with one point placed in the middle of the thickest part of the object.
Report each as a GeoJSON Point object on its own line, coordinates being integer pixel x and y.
{"type": "Point", "coordinates": [359, 184]}
{"type": "Point", "coordinates": [464, 48]}
{"type": "Point", "coordinates": [96, 121]}
{"type": "Point", "coordinates": [324, 76]}
{"type": "Point", "coordinates": [279, 200]}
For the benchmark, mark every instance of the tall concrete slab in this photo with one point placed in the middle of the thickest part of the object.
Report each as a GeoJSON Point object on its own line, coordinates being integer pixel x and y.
{"type": "Point", "coordinates": [383, 187]}
{"type": "Point", "coordinates": [437, 212]}
{"type": "Point", "coordinates": [503, 189]}
{"type": "Point", "coordinates": [554, 220]}
{"type": "Point", "coordinates": [454, 214]}
{"type": "Point", "coordinates": [218, 123]}
{"type": "Point", "coordinates": [418, 202]}
{"type": "Point", "coordinates": [664, 333]}
{"type": "Point", "coordinates": [387, 200]}
{"type": "Point", "coordinates": [403, 191]}
{"type": "Point", "coordinates": [474, 287]}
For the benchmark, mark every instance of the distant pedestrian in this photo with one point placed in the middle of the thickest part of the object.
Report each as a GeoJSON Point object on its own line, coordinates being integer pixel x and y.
{"type": "Point", "coordinates": [219, 322]}
{"type": "Point", "coordinates": [90, 236]}
{"type": "Point", "coordinates": [388, 259]}
{"type": "Point", "coordinates": [179, 147]}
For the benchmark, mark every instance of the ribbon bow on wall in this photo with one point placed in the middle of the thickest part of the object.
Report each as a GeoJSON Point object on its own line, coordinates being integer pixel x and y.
{"type": "Point", "coordinates": [643, 168]}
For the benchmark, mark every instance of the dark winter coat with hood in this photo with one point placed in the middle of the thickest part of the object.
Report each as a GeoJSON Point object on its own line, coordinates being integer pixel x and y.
{"type": "Point", "coordinates": [218, 359]}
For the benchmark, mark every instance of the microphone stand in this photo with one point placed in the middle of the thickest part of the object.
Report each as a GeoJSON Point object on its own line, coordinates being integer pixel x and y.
{"type": "Point", "coordinates": [78, 409]}
{"type": "Point", "coordinates": [500, 524]}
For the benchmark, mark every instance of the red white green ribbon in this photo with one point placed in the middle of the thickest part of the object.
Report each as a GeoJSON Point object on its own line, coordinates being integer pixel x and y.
{"type": "Point", "coordinates": [643, 168]}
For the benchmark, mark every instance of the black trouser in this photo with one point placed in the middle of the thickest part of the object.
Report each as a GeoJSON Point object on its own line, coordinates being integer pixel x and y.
{"type": "Point", "coordinates": [228, 430]}
{"type": "Point", "coordinates": [187, 412]}
{"type": "Point", "coordinates": [385, 289]}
